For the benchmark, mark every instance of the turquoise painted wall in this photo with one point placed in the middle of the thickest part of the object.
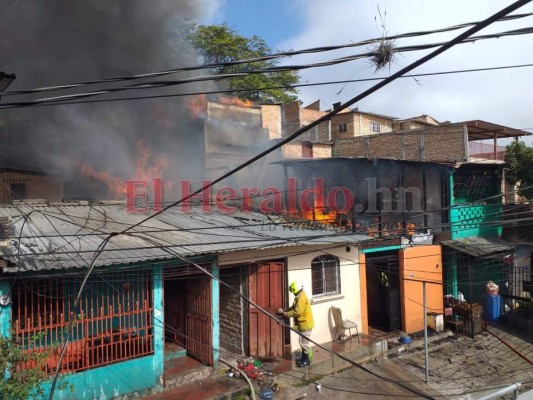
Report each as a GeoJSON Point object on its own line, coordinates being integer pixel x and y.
{"type": "Point", "coordinates": [106, 382]}
{"type": "Point", "coordinates": [116, 379]}
{"type": "Point", "coordinates": [5, 311]}
{"type": "Point", "coordinates": [376, 249]}
{"type": "Point", "coordinates": [476, 208]}
{"type": "Point", "coordinates": [476, 220]}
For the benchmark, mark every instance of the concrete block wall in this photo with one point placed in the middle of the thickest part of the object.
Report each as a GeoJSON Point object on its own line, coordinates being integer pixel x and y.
{"type": "Point", "coordinates": [439, 144]}
{"type": "Point", "coordinates": [231, 311]}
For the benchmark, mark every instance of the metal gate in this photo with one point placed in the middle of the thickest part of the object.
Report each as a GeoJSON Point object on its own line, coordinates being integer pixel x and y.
{"type": "Point", "coordinates": [517, 307]}
{"type": "Point", "coordinates": [199, 320]}
{"type": "Point", "coordinates": [383, 290]}
{"type": "Point", "coordinates": [266, 290]}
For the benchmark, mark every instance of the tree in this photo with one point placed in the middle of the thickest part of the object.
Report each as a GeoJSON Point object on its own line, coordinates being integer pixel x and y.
{"type": "Point", "coordinates": [519, 164]}
{"type": "Point", "coordinates": [221, 44]}
{"type": "Point", "coordinates": [24, 371]}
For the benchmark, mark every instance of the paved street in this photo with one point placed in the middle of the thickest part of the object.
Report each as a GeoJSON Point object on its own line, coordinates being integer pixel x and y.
{"type": "Point", "coordinates": [460, 368]}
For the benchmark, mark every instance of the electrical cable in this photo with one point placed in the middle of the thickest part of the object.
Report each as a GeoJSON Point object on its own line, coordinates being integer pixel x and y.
{"type": "Point", "coordinates": [257, 59]}
{"type": "Point", "coordinates": [417, 63]}
{"type": "Point", "coordinates": [284, 68]}
{"type": "Point", "coordinates": [279, 87]}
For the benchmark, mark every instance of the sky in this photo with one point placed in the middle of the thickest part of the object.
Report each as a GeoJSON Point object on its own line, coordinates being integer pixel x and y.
{"type": "Point", "coordinates": [503, 97]}
{"type": "Point", "coordinates": [63, 41]}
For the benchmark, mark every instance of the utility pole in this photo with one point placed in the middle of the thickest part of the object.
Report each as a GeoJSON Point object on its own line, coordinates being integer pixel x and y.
{"type": "Point", "coordinates": [424, 307]}
{"type": "Point", "coordinates": [426, 357]}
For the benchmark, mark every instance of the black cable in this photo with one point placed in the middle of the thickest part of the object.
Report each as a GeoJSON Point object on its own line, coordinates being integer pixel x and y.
{"type": "Point", "coordinates": [284, 68]}
{"type": "Point", "coordinates": [279, 87]}
{"type": "Point", "coordinates": [417, 63]}
{"type": "Point", "coordinates": [258, 59]}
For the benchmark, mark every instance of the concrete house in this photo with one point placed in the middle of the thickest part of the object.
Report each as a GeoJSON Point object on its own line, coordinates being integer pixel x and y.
{"type": "Point", "coordinates": [472, 192]}
{"type": "Point", "coordinates": [173, 288]}
{"type": "Point", "coordinates": [398, 203]}
{"type": "Point", "coordinates": [318, 141]}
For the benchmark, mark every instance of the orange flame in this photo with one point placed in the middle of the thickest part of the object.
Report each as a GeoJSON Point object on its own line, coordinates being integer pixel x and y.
{"type": "Point", "coordinates": [236, 101]}
{"type": "Point", "coordinates": [115, 186]}
{"type": "Point", "coordinates": [320, 213]}
{"type": "Point", "coordinates": [197, 105]}
{"type": "Point", "coordinates": [147, 168]}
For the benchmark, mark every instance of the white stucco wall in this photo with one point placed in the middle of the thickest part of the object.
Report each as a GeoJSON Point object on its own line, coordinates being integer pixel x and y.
{"type": "Point", "coordinates": [299, 269]}
{"type": "Point", "coordinates": [349, 300]}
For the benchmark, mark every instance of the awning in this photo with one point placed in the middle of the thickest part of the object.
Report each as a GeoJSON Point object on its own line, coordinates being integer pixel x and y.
{"type": "Point", "coordinates": [480, 247]}
{"type": "Point", "coordinates": [479, 130]}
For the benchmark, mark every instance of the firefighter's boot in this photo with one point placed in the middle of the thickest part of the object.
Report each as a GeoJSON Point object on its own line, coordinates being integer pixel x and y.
{"type": "Point", "coordinates": [304, 361]}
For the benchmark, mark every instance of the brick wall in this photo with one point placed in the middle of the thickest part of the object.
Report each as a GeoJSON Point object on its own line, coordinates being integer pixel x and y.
{"type": "Point", "coordinates": [290, 118]}
{"type": "Point", "coordinates": [321, 150]}
{"type": "Point", "coordinates": [291, 150]}
{"type": "Point", "coordinates": [37, 186]}
{"type": "Point", "coordinates": [231, 311]}
{"type": "Point", "coordinates": [439, 143]}
{"type": "Point", "coordinates": [340, 119]}
{"type": "Point", "coordinates": [271, 118]}
{"type": "Point", "coordinates": [294, 117]}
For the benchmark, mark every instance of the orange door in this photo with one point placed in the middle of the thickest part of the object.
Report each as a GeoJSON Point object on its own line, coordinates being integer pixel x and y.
{"type": "Point", "coordinates": [266, 290]}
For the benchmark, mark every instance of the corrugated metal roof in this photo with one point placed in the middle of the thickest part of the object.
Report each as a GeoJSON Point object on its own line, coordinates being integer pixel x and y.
{"type": "Point", "coordinates": [49, 237]}
{"type": "Point", "coordinates": [480, 247]}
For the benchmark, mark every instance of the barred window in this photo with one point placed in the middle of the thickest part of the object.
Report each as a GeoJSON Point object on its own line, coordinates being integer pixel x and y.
{"type": "Point", "coordinates": [326, 275]}
{"type": "Point", "coordinates": [375, 127]}
{"type": "Point", "coordinates": [112, 323]}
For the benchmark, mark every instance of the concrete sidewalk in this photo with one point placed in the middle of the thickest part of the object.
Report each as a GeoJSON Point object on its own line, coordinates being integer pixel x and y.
{"type": "Point", "coordinates": [283, 372]}
{"type": "Point", "coordinates": [520, 342]}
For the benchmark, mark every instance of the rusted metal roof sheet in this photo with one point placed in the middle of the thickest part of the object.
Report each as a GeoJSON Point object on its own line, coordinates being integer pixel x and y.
{"type": "Point", "coordinates": [480, 247]}
{"type": "Point", "coordinates": [479, 130]}
{"type": "Point", "coordinates": [52, 237]}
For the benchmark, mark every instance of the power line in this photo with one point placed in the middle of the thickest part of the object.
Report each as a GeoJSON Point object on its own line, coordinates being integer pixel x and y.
{"type": "Point", "coordinates": [258, 59]}
{"type": "Point", "coordinates": [277, 87]}
{"type": "Point", "coordinates": [284, 68]}
{"type": "Point", "coordinates": [417, 63]}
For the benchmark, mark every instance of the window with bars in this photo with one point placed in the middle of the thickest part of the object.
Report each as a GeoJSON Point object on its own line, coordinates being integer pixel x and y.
{"type": "Point", "coordinates": [375, 127]}
{"type": "Point", "coordinates": [326, 275]}
{"type": "Point", "coordinates": [16, 189]}
{"type": "Point", "coordinates": [113, 321]}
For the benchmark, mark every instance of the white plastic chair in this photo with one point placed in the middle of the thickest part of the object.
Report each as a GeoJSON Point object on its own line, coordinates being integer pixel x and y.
{"type": "Point", "coordinates": [343, 324]}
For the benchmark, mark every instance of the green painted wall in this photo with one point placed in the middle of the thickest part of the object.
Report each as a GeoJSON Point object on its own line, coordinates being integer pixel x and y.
{"type": "Point", "coordinates": [476, 220]}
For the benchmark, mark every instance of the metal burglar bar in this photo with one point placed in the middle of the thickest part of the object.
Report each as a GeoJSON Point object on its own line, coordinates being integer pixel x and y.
{"type": "Point", "coordinates": [326, 275]}
{"type": "Point", "coordinates": [517, 293]}
{"type": "Point", "coordinates": [113, 322]}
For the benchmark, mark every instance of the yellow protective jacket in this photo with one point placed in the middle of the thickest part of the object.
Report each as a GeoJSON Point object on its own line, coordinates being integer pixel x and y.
{"type": "Point", "coordinates": [301, 312]}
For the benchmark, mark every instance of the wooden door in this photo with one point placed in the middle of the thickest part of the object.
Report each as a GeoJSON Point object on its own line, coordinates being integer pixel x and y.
{"type": "Point", "coordinates": [266, 290]}
{"type": "Point", "coordinates": [199, 320]}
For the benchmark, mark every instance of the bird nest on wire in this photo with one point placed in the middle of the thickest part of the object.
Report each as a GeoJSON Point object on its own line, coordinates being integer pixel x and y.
{"type": "Point", "coordinates": [383, 54]}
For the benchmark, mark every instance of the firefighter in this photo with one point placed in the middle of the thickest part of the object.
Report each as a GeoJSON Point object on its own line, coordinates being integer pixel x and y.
{"type": "Point", "coordinates": [303, 321]}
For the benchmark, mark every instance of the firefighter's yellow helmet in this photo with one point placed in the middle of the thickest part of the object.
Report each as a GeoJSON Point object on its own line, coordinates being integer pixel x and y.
{"type": "Point", "coordinates": [294, 288]}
